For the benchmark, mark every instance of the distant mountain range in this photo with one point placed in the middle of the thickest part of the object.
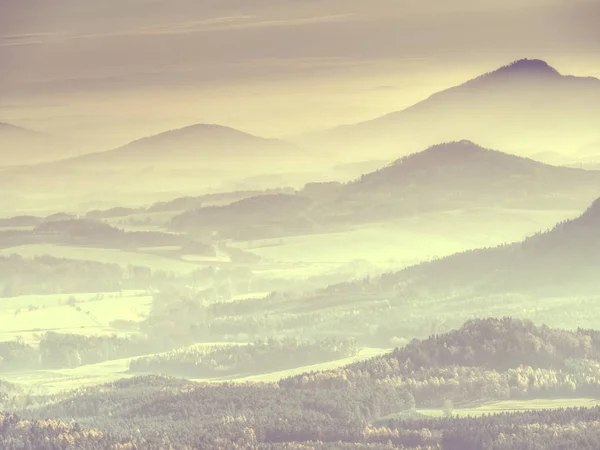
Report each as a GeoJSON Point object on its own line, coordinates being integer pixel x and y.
{"type": "Point", "coordinates": [524, 108]}
{"type": "Point", "coordinates": [197, 145]}
{"type": "Point", "coordinates": [191, 160]}
{"type": "Point", "coordinates": [444, 177]}
{"type": "Point", "coordinates": [459, 174]}
{"type": "Point", "coordinates": [23, 146]}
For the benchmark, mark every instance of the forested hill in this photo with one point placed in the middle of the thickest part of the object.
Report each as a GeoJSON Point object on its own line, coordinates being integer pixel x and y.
{"type": "Point", "coordinates": [562, 261]}
{"type": "Point", "coordinates": [464, 165]}
{"type": "Point", "coordinates": [488, 344]}
{"type": "Point", "coordinates": [20, 434]}
{"type": "Point", "coordinates": [485, 360]}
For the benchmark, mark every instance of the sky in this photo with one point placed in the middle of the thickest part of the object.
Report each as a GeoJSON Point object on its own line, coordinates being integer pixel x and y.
{"type": "Point", "coordinates": [107, 72]}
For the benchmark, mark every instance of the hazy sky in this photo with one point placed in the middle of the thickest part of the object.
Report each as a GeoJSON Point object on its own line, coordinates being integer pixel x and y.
{"type": "Point", "coordinates": [113, 70]}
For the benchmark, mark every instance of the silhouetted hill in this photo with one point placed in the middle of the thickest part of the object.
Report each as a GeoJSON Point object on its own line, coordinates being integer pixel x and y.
{"type": "Point", "coordinates": [20, 146]}
{"type": "Point", "coordinates": [197, 145]}
{"type": "Point", "coordinates": [522, 107]}
{"type": "Point", "coordinates": [192, 160]}
{"type": "Point", "coordinates": [216, 199]}
{"type": "Point", "coordinates": [20, 221]}
{"type": "Point", "coordinates": [564, 260]}
{"type": "Point", "coordinates": [261, 216]}
{"type": "Point", "coordinates": [94, 233]}
{"type": "Point", "coordinates": [444, 177]}
{"type": "Point", "coordinates": [454, 163]}
{"type": "Point", "coordinates": [463, 175]}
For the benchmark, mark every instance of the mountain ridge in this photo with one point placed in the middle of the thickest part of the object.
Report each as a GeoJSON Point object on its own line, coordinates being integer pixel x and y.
{"type": "Point", "coordinates": [564, 259]}
{"type": "Point", "coordinates": [528, 103]}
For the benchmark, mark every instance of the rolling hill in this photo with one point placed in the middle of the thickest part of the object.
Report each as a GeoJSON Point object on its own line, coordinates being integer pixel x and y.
{"type": "Point", "coordinates": [261, 216]}
{"type": "Point", "coordinates": [198, 145]}
{"type": "Point", "coordinates": [444, 177]}
{"type": "Point", "coordinates": [190, 161]}
{"type": "Point", "coordinates": [524, 107]}
{"type": "Point", "coordinates": [458, 175]}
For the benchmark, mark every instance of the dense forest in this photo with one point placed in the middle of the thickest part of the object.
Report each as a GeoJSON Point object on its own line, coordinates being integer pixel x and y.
{"type": "Point", "coordinates": [199, 361]}
{"type": "Point", "coordinates": [60, 350]}
{"type": "Point", "coordinates": [20, 434]}
{"type": "Point", "coordinates": [370, 404]}
{"type": "Point", "coordinates": [444, 177]}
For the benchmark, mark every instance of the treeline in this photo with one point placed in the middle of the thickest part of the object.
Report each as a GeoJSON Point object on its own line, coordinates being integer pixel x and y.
{"type": "Point", "coordinates": [96, 233]}
{"type": "Point", "coordinates": [166, 412]}
{"type": "Point", "coordinates": [501, 344]}
{"type": "Point", "coordinates": [57, 350]}
{"type": "Point", "coordinates": [46, 275]}
{"type": "Point", "coordinates": [20, 434]}
{"type": "Point", "coordinates": [183, 203]}
{"type": "Point", "coordinates": [185, 317]}
{"type": "Point", "coordinates": [560, 429]}
{"type": "Point", "coordinates": [493, 359]}
{"type": "Point", "coordinates": [261, 357]}
{"type": "Point", "coordinates": [217, 415]}
{"type": "Point", "coordinates": [259, 217]}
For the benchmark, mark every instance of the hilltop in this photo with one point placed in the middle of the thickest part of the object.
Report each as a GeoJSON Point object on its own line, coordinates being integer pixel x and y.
{"type": "Point", "coordinates": [463, 174]}
{"type": "Point", "coordinates": [521, 107]}
{"type": "Point", "coordinates": [445, 177]}
{"type": "Point", "coordinates": [200, 144]}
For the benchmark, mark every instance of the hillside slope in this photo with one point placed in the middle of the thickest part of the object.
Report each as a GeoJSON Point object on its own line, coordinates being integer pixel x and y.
{"type": "Point", "coordinates": [523, 107]}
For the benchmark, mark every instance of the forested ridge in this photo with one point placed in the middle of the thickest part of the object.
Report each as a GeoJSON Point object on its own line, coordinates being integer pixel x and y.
{"type": "Point", "coordinates": [199, 361]}
{"type": "Point", "coordinates": [50, 275]}
{"type": "Point", "coordinates": [562, 260]}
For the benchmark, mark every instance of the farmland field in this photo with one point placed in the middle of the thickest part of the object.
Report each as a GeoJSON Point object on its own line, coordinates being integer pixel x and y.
{"type": "Point", "coordinates": [31, 315]}
{"type": "Point", "coordinates": [509, 406]}
{"type": "Point", "coordinates": [115, 256]}
{"type": "Point", "coordinates": [410, 240]}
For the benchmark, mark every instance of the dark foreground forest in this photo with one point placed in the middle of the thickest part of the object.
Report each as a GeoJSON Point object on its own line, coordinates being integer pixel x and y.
{"type": "Point", "coordinates": [370, 404]}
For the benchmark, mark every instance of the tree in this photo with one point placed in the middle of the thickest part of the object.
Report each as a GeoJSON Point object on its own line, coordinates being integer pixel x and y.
{"type": "Point", "coordinates": [448, 408]}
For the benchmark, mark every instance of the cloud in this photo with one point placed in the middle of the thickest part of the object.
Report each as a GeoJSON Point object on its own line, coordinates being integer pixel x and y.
{"type": "Point", "coordinates": [10, 40]}
{"type": "Point", "coordinates": [230, 23]}
{"type": "Point", "coordinates": [177, 28]}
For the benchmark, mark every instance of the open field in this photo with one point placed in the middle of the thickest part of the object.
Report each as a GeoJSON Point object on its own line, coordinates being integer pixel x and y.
{"type": "Point", "coordinates": [52, 381]}
{"type": "Point", "coordinates": [514, 406]}
{"type": "Point", "coordinates": [410, 240]}
{"type": "Point", "coordinates": [114, 256]}
{"type": "Point", "coordinates": [363, 354]}
{"type": "Point", "coordinates": [31, 315]}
